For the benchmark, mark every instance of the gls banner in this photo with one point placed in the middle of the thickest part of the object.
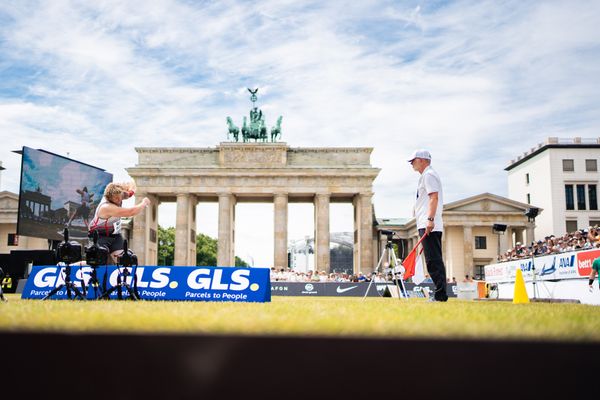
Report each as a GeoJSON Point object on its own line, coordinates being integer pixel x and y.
{"type": "Point", "coordinates": [159, 283]}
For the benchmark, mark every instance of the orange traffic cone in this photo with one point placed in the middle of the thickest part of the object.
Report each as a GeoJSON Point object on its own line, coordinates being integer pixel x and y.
{"type": "Point", "coordinates": [520, 296]}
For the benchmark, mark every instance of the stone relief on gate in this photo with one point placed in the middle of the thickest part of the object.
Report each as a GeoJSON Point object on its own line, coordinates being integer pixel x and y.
{"type": "Point", "coordinates": [239, 156]}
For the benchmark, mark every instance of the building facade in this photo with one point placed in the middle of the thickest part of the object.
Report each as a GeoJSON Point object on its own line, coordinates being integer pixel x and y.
{"type": "Point", "coordinates": [560, 176]}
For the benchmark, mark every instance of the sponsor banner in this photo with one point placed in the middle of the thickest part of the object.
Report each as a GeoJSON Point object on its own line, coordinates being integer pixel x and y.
{"type": "Point", "coordinates": [576, 290]}
{"type": "Point", "coordinates": [585, 260]}
{"type": "Point", "coordinates": [158, 282]}
{"type": "Point", "coordinates": [351, 289]}
{"type": "Point", "coordinates": [571, 265]}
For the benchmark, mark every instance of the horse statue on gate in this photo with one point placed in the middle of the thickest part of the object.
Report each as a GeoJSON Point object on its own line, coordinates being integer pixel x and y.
{"type": "Point", "coordinates": [232, 129]}
{"type": "Point", "coordinates": [276, 130]}
{"type": "Point", "coordinates": [255, 127]}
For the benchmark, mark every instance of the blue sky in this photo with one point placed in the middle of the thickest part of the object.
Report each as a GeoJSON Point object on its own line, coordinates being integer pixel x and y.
{"type": "Point", "coordinates": [475, 82]}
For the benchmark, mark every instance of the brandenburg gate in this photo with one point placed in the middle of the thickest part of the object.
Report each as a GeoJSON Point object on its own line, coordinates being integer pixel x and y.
{"type": "Point", "coordinates": [262, 171]}
{"type": "Point", "coordinates": [253, 172]}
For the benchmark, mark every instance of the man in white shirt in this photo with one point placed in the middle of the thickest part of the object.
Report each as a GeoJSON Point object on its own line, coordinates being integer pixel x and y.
{"type": "Point", "coordinates": [428, 213]}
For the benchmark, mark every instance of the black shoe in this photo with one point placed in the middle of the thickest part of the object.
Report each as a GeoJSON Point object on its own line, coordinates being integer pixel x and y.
{"type": "Point", "coordinates": [433, 299]}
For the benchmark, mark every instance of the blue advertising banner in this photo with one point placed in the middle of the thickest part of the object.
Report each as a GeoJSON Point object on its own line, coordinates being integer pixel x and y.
{"type": "Point", "coordinates": [157, 282]}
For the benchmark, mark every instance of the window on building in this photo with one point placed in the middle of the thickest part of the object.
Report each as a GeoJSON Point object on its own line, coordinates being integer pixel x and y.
{"type": "Point", "coordinates": [581, 197]}
{"type": "Point", "coordinates": [594, 222]}
{"type": "Point", "coordinates": [571, 225]}
{"type": "Point", "coordinates": [13, 239]}
{"type": "Point", "coordinates": [591, 165]}
{"type": "Point", "coordinates": [527, 178]}
{"type": "Point", "coordinates": [480, 242]}
{"type": "Point", "coordinates": [528, 198]}
{"type": "Point", "coordinates": [592, 197]}
{"type": "Point", "coordinates": [479, 273]}
{"type": "Point", "coordinates": [569, 199]}
{"type": "Point", "coordinates": [568, 165]}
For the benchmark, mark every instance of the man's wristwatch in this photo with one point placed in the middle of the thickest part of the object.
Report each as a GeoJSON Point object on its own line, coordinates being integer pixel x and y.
{"type": "Point", "coordinates": [429, 219]}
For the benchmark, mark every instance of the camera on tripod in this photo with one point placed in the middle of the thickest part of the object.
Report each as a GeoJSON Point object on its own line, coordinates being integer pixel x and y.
{"type": "Point", "coordinates": [127, 258]}
{"type": "Point", "coordinates": [389, 234]}
{"type": "Point", "coordinates": [67, 251]}
{"type": "Point", "coordinates": [96, 254]}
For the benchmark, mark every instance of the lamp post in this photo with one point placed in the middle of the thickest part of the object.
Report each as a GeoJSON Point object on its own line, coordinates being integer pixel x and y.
{"type": "Point", "coordinates": [499, 229]}
{"type": "Point", "coordinates": [531, 213]}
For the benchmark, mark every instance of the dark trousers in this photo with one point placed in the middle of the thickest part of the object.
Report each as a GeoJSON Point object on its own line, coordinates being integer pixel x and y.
{"type": "Point", "coordinates": [432, 247]}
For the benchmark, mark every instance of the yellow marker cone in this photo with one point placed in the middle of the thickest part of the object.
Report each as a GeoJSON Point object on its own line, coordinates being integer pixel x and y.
{"type": "Point", "coordinates": [520, 296]}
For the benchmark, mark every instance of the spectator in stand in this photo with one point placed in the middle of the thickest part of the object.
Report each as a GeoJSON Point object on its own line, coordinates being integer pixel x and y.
{"type": "Point", "coordinates": [315, 276]}
{"type": "Point", "coordinates": [519, 249]}
{"type": "Point", "coordinates": [323, 276]}
{"type": "Point", "coordinates": [379, 277]}
{"type": "Point", "coordinates": [593, 234]}
{"type": "Point", "coordinates": [309, 275]}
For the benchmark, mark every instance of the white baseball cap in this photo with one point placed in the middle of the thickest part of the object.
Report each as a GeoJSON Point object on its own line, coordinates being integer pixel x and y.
{"type": "Point", "coordinates": [421, 153]}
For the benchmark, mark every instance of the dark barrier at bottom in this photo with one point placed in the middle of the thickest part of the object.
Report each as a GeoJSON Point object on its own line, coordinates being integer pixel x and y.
{"type": "Point", "coordinates": [195, 367]}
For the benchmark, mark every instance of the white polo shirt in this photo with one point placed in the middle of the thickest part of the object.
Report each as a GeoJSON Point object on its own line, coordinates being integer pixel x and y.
{"type": "Point", "coordinates": [429, 182]}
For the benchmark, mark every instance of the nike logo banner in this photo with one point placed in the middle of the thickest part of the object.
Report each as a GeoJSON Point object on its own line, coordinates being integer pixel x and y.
{"type": "Point", "coordinates": [340, 290]}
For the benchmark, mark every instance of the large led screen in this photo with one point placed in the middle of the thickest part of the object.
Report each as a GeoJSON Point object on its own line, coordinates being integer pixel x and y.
{"type": "Point", "coordinates": [58, 192]}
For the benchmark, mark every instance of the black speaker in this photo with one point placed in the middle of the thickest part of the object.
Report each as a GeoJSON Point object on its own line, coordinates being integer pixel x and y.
{"type": "Point", "coordinates": [19, 259]}
{"type": "Point", "coordinates": [531, 213]}
{"type": "Point", "coordinates": [499, 228]}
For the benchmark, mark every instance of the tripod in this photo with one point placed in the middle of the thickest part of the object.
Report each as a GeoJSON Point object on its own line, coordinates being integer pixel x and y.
{"type": "Point", "coordinates": [68, 253]}
{"type": "Point", "coordinates": [1, 282]}
{"type": "Point", "coordinates": [126, 260]}
{"type": "Point", "coordinates": [95, 256]}
{"type": "Point", "coordinates": [534, 280]}
{"type": "Point", "coordinates": [398, 270]}
{"type": "Point", "coordinates": [531, 213]}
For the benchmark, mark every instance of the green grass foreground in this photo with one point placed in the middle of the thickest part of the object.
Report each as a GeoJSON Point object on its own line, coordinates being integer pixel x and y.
{"type": "Point", "coordinates": [337, 317]}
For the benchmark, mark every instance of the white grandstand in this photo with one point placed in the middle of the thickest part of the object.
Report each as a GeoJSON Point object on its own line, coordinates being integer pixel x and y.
{"type": "Point", "coordinates": [341, 246]}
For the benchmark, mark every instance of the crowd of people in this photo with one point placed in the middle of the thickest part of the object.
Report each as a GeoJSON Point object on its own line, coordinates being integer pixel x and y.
{"type": "Point", "coordinates": [583, 239]}
{"type": "Point", "coordinates": [289, 275]}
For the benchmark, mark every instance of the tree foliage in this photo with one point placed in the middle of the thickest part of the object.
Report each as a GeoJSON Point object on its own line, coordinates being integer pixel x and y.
{"type": "Point", "coordinates": [206, 249]}
{"type": "Point", "coordinates": [166, 245]}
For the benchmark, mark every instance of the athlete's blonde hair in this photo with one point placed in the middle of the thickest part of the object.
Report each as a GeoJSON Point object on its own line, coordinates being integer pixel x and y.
{"type": "Point", "coordinates": [113, 189]}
